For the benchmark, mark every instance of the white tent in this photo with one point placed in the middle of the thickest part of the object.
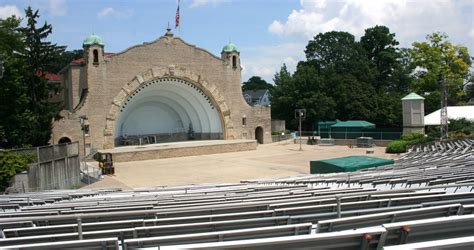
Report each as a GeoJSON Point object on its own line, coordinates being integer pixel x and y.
{"type": "Point", "coordinates": [454, 112]}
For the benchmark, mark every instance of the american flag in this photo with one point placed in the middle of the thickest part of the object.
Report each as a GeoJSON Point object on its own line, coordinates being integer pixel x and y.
{"type": "Point", "coordinates": [177, 17]}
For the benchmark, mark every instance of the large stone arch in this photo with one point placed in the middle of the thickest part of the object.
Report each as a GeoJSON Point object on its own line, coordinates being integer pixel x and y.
{"type": "Point", "coordinates": [209, 89]}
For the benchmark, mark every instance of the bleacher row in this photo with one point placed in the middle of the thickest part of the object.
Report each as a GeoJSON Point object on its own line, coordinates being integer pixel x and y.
{"type": "Point", "coordinates": [371, 209]}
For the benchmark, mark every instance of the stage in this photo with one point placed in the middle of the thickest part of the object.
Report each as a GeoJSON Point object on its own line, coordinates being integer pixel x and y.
{"type": "Point", "coordinates": [178, 149]}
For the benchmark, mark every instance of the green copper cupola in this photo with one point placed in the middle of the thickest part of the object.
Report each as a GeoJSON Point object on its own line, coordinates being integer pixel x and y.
{"type": "Point", "coordinates": [93, 40]}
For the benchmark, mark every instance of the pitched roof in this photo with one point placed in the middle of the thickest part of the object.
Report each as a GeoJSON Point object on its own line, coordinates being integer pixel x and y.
{"type": "Point", "coordinates": [49, 76]}
{"type": "Point", "coordinates": [413, 96]}
{"type": "Point", "coordinates": [454, 112]}
{"type": "Point", "coordinates": [52, 77]}
{"type": "Point", "coordinates": [255, 93]}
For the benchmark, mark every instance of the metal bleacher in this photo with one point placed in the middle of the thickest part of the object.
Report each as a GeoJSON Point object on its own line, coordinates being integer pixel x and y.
{"type": "Point", "coordinates": [426, 198]}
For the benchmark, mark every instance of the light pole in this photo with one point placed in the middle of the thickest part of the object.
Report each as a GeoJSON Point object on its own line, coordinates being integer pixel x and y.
{"type": "Point", "coordinates": [300, 114]}
{"type": "Point", "coordinates": [82, 120]}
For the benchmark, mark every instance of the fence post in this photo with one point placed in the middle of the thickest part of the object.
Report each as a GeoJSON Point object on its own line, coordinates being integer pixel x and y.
{"type": "Point", "coordinates": [79, 227]}
{"type": "Point", "coordinates": [38, 170]}
{"type": "Point", "coordinates": [53, 161]}
{"type": "Point", "coordinates": [338, 199]}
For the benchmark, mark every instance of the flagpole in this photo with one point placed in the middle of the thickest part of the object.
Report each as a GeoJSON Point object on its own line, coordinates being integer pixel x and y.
{"type": "Point", "coordinates": [177, 19]}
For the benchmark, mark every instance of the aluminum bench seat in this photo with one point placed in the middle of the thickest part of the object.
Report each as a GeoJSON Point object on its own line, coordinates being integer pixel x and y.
{"type": "Point", "coordinates": [387, 217]}
{"type": "Point", "coordinates": [16, 224]}
{"type": "Point", "coordinates": [316, 217]}
{"type": "Point", "coordinates": [107, 225]}
{"type": "Point", "coordinates": [105, 243]}
{"type": "Point", "coordinates": [356, 239]}
{"type": "Point", "coordinates": [150, 231]}
{"type": "Point", "coordinates": [427, 230]}
{"type": "Point", "coordinates": [241, 234]}
{"type": "Point", "coordinates": [460, 243]}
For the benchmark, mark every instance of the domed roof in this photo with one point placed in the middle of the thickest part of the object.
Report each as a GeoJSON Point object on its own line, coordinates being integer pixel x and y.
{"type": "Point", "coordinates": [93, 39]}
{"type": "Point", "coordinates": [230, 48]}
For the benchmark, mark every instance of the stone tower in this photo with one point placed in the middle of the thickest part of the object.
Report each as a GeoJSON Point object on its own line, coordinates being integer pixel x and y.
{"type": "Point", "coordinates": [413, 114]}
{"type": "Point", "coordinates": [93, 50]}
{"type": "Point", "coordinates": [231, 55]}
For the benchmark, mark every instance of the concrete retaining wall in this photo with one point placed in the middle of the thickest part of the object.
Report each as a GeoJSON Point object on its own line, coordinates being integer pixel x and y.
{"type": "Point", "coordinates": [180, 151]}
{"type": "Point", "coordinates": [56, 167]}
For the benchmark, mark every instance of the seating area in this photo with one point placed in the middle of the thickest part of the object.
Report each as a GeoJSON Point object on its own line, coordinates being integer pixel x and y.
{"type": "Point", "coordinates": [426, 198]}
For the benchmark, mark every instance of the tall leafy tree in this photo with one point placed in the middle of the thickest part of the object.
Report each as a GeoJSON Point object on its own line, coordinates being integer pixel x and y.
{"type": "Point", "coordinates": [283, 100]}
{"type": "Point", "coordinates": [15, 114]}
{"type": "Point", "coordinates": [391, 73]}
{"type": "Point", "coordinates": [256, 83]}
{"type": "Point", "coordinates": [345, 70]}
{"type": "Point", "coordinates": [39, 55]}
{"type": "Point", "coordinates": [26, 113]}
{"type": "Point", "coordinates": [435, 59]}
{"type": "Point", "coordinates": [63, 59]}
{"type": "Point", "coordinates": [381, 49]}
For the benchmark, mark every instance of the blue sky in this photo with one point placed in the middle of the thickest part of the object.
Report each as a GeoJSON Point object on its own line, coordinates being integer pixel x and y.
{"type": "Point", "coordinates": [267, 32]}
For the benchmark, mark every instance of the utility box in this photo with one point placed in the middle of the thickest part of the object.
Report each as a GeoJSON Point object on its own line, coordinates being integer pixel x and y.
{"type": "Point", "coordinates": [364, 142]}
{"type": "Point", "coordinates": [413, 114]}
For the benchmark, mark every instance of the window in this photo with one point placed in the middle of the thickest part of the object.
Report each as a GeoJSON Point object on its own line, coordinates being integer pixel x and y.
{"type": "Point", "coordinates": [96, 56]}
{"type": "Point", "coordinates": [234, 62]}
{"type": "Point", "coordinates": [244, 121]}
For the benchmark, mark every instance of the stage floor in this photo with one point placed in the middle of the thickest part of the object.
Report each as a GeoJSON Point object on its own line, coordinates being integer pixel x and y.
{"type": "Point", "coordinates": [179, 149]}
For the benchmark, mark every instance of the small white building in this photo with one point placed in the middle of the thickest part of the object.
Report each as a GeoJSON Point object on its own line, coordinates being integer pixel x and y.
{"type": "Point", "coordinates": [454, 112]}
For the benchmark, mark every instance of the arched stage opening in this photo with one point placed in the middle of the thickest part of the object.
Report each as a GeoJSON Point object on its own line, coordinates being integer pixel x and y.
{"type": "Point", "coordinates": [167, 109]}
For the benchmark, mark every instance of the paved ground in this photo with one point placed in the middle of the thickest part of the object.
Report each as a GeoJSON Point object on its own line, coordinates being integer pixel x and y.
{"type": "Point", "coordinates": [270, 160]}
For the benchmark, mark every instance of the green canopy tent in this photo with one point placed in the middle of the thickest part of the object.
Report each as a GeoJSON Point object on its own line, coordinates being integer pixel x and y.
{"type": "Point", "coordinates": [351, 126]}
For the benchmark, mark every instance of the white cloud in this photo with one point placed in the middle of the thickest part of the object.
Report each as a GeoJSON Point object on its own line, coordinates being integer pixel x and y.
{"type": "Point", "coordinates": [197, 3]}
{"type": "Point", "coordinates": [8, 11]}
{"type": "Point", "coordinates": [57, 7]}
{"type": "Point", "coordinates": [110, 12]}
{"type": "Point", "coordinates": [411, 20]}
{"type": "Point", "coordinates": [471, 33]}
{"type": "Point", "coordinates": [266, 61]}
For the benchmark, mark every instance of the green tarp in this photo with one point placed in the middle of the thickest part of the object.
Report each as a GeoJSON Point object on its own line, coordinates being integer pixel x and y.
{"type": "Point", "coordinates": [347, 164]}
{"type": "Point", "coordinates": [353, 124]}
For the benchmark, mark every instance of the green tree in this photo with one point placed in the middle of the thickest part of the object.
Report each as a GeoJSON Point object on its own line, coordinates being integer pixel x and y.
{"type": "Point", "coordinates": [282, 98]}
{"type": "Point", "coordinates": [39, 57]}
{"type": "Point", "coordinates": [438, 58]}
{"type": "Point", "coordinates": [381, 49]}
{"type": "Point", "coordinates": [16, 117]}
{"type": "Point", "coordinates": [61, 60]}
{"type": "Point", "coordinates": [12, 163]}
{"type": "Point", "coordinates": [346, 74]}
{"type": "Point", "coordinates": [256, 83]}
{"type": "Point", "coordinates": [391, 68]}
{"type": "Point", "coordinates": [26, 113]}
{"type": "Point", "coordinates": [470, 93]}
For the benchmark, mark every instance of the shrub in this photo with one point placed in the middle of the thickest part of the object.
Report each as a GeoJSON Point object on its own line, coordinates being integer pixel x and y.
{"type": "Point", "coordinates": [12, 163]}
{"type": "Point", "coordinates": [400, 146]}
{"type": "Point", "coordinates": [412, 137]}
{"type": "Point", "coordinates": [396, 147]}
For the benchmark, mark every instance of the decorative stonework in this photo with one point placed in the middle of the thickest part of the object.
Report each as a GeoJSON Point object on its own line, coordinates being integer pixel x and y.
{"type": "Point", "coordinates": [156, 73]}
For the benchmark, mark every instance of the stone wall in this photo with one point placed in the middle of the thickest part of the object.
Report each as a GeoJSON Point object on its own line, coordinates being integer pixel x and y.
{"type": "Point", "coordinates": [278, 125]}
{"type": "Point", "coordinates": [171, 152]}
{"type": "Point", "coordinates": [115, 77]}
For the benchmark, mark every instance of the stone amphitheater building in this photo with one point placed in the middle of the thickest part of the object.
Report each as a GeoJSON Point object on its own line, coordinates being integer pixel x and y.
{"type": "Point", "coordinates": [162, 91]}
